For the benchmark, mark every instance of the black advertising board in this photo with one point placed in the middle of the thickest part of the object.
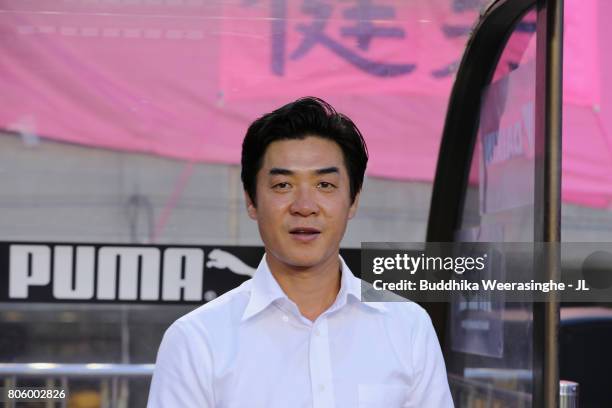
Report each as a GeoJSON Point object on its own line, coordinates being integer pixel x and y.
{"type": "Point", "coordinates": [120, 273]}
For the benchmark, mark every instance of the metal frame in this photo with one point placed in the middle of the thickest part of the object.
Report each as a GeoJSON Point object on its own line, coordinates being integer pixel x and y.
{"type": "Point", "coordinates": [461, 125]}
{"type": "Point", "coordinates": [485, 46]}
{"type": "Point", "coordinates": [94, 370]}
{"type": "Point", "coordinates": [549, 95]}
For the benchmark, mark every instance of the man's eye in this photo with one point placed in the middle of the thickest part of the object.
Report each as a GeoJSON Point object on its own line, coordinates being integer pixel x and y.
{"type": "Point", "coordinates": [324, 185]}
{"type": "Point", "coordinates": [281, 186]}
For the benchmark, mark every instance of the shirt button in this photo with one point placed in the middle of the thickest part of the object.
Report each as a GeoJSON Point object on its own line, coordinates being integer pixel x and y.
{"type": "Point", "coordinates": [321, 388]}
{"type": "Point", "coordinates": [317, 332]}
{"type": "Point", "coordinates": [285, 318]}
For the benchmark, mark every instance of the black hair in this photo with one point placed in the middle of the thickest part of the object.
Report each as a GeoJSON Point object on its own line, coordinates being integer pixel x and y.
{"type": "Point", "coordinates": [308, 116]}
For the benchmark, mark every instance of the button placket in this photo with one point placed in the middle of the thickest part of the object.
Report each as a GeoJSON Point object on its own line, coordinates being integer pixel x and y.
{"type": "Point", "coordinates": [320, 366]}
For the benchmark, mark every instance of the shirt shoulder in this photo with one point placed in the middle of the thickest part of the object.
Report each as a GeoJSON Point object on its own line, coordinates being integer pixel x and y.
{"type": "Point", "coordinates": [401, 311]}
{"type": "Point", "coordinates": [218, 314]}
{"type": "Point", "coordinates": [408, 313]}
{"type": "Point", "coordinates": [184, 368]}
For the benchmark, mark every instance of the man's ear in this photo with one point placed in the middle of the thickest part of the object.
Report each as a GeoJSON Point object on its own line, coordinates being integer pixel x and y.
{"type": "Point", "coordinates": [250, 206]}
{"type": "Point", "coordinates": [353, 208]}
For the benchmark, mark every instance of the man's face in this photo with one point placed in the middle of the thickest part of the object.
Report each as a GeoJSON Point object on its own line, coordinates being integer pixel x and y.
{"type": "Point", "coordinates": [303, 201]}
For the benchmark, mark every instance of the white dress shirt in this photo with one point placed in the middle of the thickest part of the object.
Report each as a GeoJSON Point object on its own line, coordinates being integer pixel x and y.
{"type": "Point", "coordinates": [251, 348]}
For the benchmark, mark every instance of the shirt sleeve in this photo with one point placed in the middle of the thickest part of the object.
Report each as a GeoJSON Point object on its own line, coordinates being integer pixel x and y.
{"type": "Point", "coordinates": [183, 371]}
{"type": "Point", "coordinates": [430, 386]}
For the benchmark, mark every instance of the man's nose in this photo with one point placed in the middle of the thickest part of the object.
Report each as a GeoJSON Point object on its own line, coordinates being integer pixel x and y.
{"type": "Point", "coordinates": [304, 202]}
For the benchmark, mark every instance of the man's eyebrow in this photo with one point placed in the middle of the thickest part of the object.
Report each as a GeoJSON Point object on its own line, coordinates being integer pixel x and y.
{"type": "Point", "coordinates": [286, 172]}
{"type": "Point", "coordinates": [328, 170]}
{"type": "Point", "coordinates": [278, 171]}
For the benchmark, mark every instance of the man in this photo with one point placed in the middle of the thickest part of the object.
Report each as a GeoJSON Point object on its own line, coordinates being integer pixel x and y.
{"type": "Point", "coordinates": [297, 334]}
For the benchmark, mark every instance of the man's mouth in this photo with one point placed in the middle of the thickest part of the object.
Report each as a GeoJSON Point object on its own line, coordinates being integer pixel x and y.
{"type": "Point", "coordinates": [304, 233]}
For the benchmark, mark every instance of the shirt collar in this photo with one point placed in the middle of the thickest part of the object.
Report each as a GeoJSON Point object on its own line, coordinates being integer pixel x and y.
{"type": "Point", "coordinates": [265, 290]}
{"type": "Point", "coordinates": [353, 287]}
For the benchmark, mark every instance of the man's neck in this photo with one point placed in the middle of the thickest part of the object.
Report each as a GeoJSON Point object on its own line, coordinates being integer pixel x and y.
{"type": "Point", "coordinates": [313, 290]}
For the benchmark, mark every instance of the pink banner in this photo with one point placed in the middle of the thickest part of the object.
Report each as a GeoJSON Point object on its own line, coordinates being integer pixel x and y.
{"type": "Point", "coordinates": [365, 48]}
{"type": "Point", "coordinates": [183, 78]}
